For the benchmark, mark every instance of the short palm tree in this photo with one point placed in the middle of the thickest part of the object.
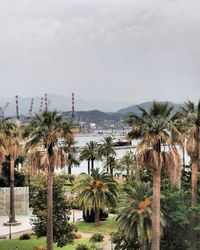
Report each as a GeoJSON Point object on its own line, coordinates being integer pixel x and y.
{"type": "Point", "coordinates": [128, 163]}
{"type": "Point", "coordinates": [45, 132]}
{"type": "Point", "coordinates": [71, 152]}
{"type": "Point", "coordinates": [112, 162]}
{"type": "Point", "coordinates": [107, 150]}
{"type": "Point", "coordinates": [95, 192]}
{"type": "Point", "coordinates": [153, 127]}
{"type": "Point", "coordinates": [135, 214]}
{"type": "Point", "coordinates": [91, 153]}
{"type": "Point", "coordinates": [72, 160]}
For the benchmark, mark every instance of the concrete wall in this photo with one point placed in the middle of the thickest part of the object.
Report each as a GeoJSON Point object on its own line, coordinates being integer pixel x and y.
{"type": "Point", "coordinates": [21, 201]}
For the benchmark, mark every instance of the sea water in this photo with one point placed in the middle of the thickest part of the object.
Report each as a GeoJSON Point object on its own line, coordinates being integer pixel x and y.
{"type": "Point", "coordinates": [82, 139]}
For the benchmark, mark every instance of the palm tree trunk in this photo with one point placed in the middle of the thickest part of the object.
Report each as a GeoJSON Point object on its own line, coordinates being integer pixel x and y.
{"type": "Point", "coordinates": [97, 218]}
{"type": "Point", "coordinates": [50, 209]}
{"type": "Point", "coordinates": [89, 167]}
{"type": "Point", "coordinates": [127, 173]}
{"type": "Point", "coordinates": [193, 236]}
{"type": "Point", "coordinates": [12, 190]}
{"type": "Point", "coordinates": [92, 163]}
{"type": "Point", "coordinates": [1, 167]}
{"type": "Point", "coordinates": [143, 245]}
{"type": "Point", "coordinates": [69, 169]}
{"type": "Point", "coordinates": [111, 170]}
{"type": "Point", "coordinates": [183, 152]}
{"type": "Point", "coordinates": [156, 210]}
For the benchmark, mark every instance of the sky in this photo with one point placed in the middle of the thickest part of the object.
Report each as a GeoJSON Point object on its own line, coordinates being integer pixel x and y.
{"type": "Point", "coordinates": [117, 50]}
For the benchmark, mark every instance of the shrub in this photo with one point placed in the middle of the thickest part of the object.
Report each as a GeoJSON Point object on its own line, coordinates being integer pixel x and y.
{"type": "Point", "coordinates": [96, 237]}
{"type": "Point", "coordinates": [77, 235]}
{"type": "Point", "coordinates": [25, 237]}
{"type": "Point", "coordinates": [82, 247]}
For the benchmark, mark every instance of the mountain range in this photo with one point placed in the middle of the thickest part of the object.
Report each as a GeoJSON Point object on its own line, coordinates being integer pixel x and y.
{"type": "Point", "coordinates": [62, 103]}
{"type": "Point", "coordinates": [85, 110]}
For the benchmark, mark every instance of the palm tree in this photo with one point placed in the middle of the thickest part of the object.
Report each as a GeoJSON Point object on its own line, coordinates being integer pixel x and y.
{"type": "Point", "coordinates": [71, 151]}
{"type": "Point", "coordinates": [153, 127]}
{"type": "Point", "coordinates": [191, 113]}
{"type": "Point", "coordinates": [45, 132]}
{"type": "Point", "coordinates": [135, 214]}
{"type": "Point", "coordinates": [72, 160]}
{"type": "Point", "coordinates": [128, 163]}
{"type": "Point", "coordinates": [14, 150]}
{"type": "Point", "coordinates": [90, 153]}
{"type": "Point", "coordinates": [96, 192]}
{"type": "Point", "coordinates": [111, 162]}
{"type": "Point", "coordinates": [5, 130]}
{"type": "Point", "coordinates": [107, 150]}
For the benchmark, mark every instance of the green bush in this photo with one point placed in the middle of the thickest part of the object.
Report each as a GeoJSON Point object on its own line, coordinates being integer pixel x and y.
{"type": "Point", "coordinates": [82, 247]}
{"type": "Point", "coordinates": [25, 237]}
{"type": "Point", "coordinates": [96, 237]}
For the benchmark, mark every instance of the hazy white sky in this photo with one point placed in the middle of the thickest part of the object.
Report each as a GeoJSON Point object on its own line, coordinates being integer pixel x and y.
{"type": "Point", "coordinates": [129, 50]}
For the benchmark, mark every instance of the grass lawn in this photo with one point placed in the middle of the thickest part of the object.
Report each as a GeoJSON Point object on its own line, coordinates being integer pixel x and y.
{"type": "Point", "coordinates": [29, 244]}
{"type": "Point", "coordinates": [107, 226]}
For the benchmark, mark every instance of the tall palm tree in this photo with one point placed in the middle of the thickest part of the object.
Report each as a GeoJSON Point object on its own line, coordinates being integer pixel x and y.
{"type": "Point", "coordinates": [95, 192]}
{"type": "Point", "coordinates": [153, 127]}
{"type": "Point", "coordinates": [14, 149]}
{"type": "Point", "coordinates": [107, 150]}
{"type": "Point", "coordinates": [45, 132]}
{"type": "Point", "coordinates": [91, 153]}
{"type": "Point", "coordinates": [135, 213]}
{"type": "Point", "coordinates": [191, 113]}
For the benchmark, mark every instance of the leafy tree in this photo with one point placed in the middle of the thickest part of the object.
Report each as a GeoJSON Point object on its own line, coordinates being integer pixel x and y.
{"type": "Point", "coordinates": [176, 208]}
{"type": "Point", "coordinates": [44, 133]}
{"type": "Point", "coordinates": [95, 192]}
{"type": "Point", "coordinates": [155, 128]}
{"type": "Point", "coordinates": [63, 232]}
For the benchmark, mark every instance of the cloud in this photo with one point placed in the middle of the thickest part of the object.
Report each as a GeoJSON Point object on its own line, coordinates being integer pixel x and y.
{"type": "Point", "coordinates": [97, 47]}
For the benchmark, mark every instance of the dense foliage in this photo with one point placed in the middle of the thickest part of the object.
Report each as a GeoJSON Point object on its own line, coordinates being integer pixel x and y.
{"type": "Point", "coordinates": [63, 231]}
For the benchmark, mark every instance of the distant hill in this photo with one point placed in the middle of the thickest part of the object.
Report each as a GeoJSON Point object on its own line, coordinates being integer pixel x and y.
{"type": "Point", "coordinates": [145, 105]}
{"type": "Point", "coordinates": [94, 116]}
{"type": "Point", "coordinates": [59, 102]}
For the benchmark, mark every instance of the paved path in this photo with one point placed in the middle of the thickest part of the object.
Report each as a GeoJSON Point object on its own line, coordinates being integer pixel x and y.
{"type": "Point", "coordinates": [106, 244]}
